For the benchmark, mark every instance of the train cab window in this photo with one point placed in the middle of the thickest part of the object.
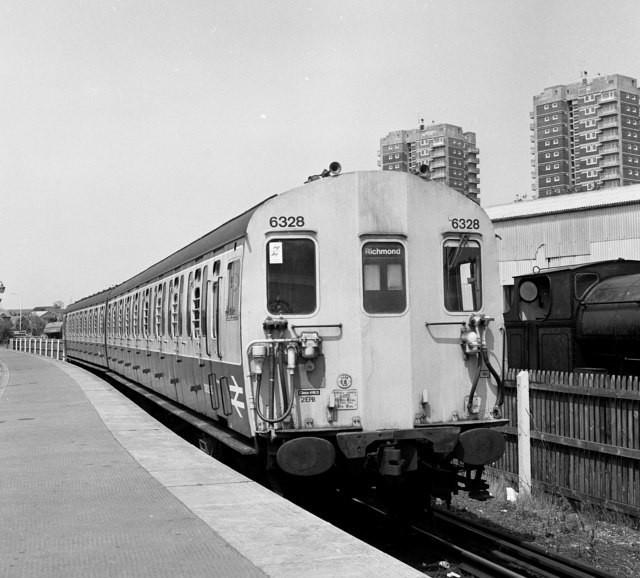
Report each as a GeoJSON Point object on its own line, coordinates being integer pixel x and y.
{"type": "Point", "coordinates": [583, 282]}
{"type": "Point", "coordinates": [462, 274]}
{"type": "Point", "coordinates": [291, 276]}
{"type": "Point", "coordinates": [383, 275]}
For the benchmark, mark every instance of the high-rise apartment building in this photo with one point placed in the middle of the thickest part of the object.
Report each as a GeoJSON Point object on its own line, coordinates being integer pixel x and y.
{"type": "Point", "coordinates": [586, 135]}
{"type": "Point", "coordinates": [450, 154]}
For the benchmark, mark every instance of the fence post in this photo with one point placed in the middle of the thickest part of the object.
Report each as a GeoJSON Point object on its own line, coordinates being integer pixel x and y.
{"type": "Point", "coordinates": [524, 434]}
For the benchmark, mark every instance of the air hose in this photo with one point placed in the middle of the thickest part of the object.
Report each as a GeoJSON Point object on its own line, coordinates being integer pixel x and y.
{"type": "Point", "coordinates": [287, 396]}
{"type": "Point", "coordinates": [473, 387]}
{"type": "Point", "coordinates": [500, 399]}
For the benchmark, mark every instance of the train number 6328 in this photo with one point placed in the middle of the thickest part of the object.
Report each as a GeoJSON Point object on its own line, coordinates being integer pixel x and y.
{"type": "Point", "coordinates": [465, 223]}
{"type": "Point", "coordinates": [297, 221]}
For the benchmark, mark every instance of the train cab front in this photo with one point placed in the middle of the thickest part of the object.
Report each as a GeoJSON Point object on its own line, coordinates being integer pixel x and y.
{"type": "Point", "coordinates": [373, 340]}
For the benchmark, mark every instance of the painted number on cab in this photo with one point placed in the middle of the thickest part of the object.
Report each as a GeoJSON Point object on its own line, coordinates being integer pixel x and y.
{"type": "Point", "coordinates": [462, 223]}
{"type": "Point", "coordinates": [286, 222]}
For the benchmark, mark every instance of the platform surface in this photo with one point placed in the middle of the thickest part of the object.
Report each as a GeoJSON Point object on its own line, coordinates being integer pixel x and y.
{"type": "Point", "coordinates": [92, 486]}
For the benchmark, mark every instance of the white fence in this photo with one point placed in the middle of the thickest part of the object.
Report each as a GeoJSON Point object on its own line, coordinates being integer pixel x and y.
{"type": "Point", "coordinates": [53, 348]}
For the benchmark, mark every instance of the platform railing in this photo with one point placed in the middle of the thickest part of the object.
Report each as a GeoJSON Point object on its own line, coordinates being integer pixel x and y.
{"type": "Point", "coordinates": [53, 348]}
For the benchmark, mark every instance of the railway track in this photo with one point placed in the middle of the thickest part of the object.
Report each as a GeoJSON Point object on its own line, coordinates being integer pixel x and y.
{"type": "Point", "coordinates": [472, 550]}
{"type": "Point", "coordinates": [503, 555]}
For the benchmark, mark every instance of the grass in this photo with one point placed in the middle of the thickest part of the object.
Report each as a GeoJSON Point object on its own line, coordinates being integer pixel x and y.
{"type": "Point", "coordinates": [602, 538]}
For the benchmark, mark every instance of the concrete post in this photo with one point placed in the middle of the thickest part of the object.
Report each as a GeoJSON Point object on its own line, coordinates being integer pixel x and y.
{"type": "Point", "coordinates": [524, 434]}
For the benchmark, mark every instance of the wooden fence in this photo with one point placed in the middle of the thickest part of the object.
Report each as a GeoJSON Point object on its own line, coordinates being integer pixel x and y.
{"type": "Point", "coordinates": [585, 436]}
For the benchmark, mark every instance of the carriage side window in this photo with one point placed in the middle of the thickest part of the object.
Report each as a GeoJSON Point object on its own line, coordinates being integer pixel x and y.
{"type": "Point", "coordinates": [181, 306]}
{"type": "Point", "coordinates": [215, 301]}
{"type": "Point", "coordinates": [120, 318]}
{"type": "Point", "coordinates": [189, 305]}
{"type": "Point", "coordinates": [110, 319]}
{"type": "Point", "coordinates": [127, 316]}
{"type": "Point", "coordinates": [383, 277]}
{"type": "Point", "coordinates": [462, 274]}
{"type": "Point", "coordinates": [136, 315]}
{"type": "Point", "coordinates": [157, 311]}
{"type": "Point", "coordinates": [195, 304]}
{"type": "Point", "coordinates": [145, 312]}
{"type": "Point", "coordinates": [233, 295]}
{"type": "Point", "coordinates": [291, 276]}
{"type": "Point", "coordinates": [173, 319]}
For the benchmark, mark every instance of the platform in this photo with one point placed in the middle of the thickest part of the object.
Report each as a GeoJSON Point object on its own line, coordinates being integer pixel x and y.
{"type": "Point", "coordinates": [90, 485]}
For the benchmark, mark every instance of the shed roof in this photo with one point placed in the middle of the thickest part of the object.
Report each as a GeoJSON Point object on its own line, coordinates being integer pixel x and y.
{"type": "Point", "coordinates": [565, 203]}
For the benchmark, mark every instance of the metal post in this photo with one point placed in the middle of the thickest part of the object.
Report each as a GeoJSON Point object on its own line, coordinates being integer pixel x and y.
{"type": "Point", "coordinates": [524, 434]}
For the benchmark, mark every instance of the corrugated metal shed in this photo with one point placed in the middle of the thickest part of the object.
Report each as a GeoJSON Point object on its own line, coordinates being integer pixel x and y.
{"type": "Point", "coordinates": [567, 230]}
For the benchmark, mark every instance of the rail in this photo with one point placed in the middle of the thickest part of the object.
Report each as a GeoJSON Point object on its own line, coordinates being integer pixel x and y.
{"type": "Point", "coordinates": [53, 348]}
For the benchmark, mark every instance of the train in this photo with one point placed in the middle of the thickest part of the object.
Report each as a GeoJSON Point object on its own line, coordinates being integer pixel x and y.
{"type": "Point", "coordinates": [348, 328]}
{"type": "Point", "coordinates": [580, 319]}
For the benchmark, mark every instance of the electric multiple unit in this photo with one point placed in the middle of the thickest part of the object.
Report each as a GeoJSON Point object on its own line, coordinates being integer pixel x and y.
{"type": "Point", "coordinates": [349, 325]}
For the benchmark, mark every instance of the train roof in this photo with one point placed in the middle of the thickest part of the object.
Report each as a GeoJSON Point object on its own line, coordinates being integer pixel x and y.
{"type": "Point", "coordinates": [226, 233]}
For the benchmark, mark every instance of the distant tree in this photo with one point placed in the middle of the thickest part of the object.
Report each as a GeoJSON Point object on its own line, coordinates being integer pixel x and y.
{"type": "Point", "coordinates": [37, 325]}
{"type": "Point", "coordinates": [23, 323]}
{"type": "Point", "coordinates": [6, 331]}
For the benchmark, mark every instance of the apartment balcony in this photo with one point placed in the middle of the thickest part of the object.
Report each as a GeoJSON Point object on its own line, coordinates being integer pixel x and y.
{"type": "Point", "coordinates": [473, 169]}
{"type": "Point", "coordinates": [438, 174]}
{"type": "Point", "coordinates": [612, 147]}
{"type": "Point", "coordinates": [610, 160]}
{"type": "Point", "coordinates": [439, 152]}
{"type": "Point", "coordinates": [473, 150]}
{"type": "Point", "coordinates": [609, 136]}
{"type": "Point", "coordinates": [610, 174]}
{"type": "Point", "coordinates": [608, 110]}
{"type": "Point", "coordinates": [437, 164]}
{"type": "Point", "coordinates": [473, 179]}
{"type": "Point", "coordinates": [608, 123]}
{"type": "Point", "coordinates": [532, 126]}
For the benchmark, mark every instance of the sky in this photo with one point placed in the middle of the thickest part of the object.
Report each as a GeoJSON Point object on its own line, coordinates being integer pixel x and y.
{"type": "Point", "coordinates": [129, 128]}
